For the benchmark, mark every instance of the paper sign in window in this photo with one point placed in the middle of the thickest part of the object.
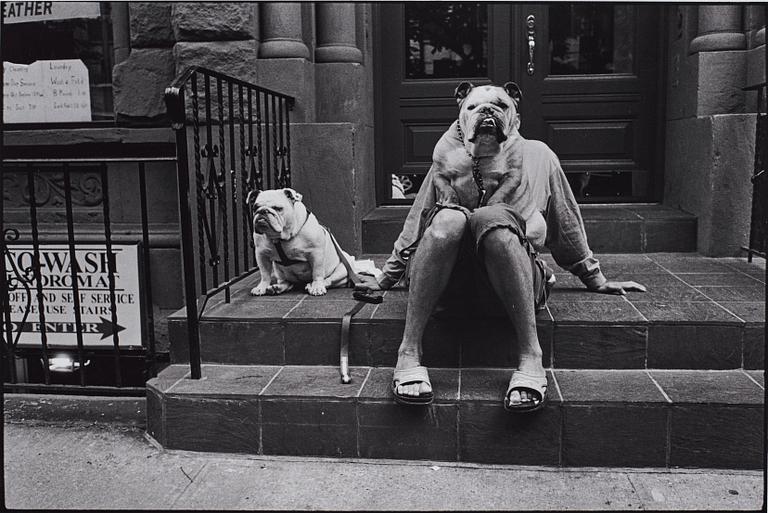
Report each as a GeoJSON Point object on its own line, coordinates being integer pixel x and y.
{"type": "Point", "coordinates": [46, 92]}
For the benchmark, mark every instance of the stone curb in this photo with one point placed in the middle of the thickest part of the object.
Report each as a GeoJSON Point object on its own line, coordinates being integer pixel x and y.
{"type": "Point", "coordinates": [48, 408]}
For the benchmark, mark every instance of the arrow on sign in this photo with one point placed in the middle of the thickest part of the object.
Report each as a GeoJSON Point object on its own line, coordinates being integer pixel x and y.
{"type": "Point", "coordinates": [105, 327]}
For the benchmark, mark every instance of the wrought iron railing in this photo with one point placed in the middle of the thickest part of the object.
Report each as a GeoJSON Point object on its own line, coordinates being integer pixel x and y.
{"type": "Point", "coordinates": [232, 137]}
{"type": "Point", "coordinates": [758, 229]}
{"type": "Point", "coordinates": [76, 286]}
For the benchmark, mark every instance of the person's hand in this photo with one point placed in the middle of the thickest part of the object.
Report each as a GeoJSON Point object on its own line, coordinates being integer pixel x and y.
{"type": "Point", "coordinates": [619, 287]}
{"type": "Point", "coordinates": [368, 282]}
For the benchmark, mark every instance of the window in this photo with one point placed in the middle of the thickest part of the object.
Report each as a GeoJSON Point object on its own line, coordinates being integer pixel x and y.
{"type": "Point", "coordinates": [446, 40]}
{"type": "Point", "coordinates": [82, 31]}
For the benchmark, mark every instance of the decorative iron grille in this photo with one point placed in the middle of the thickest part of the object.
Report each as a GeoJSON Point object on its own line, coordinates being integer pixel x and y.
{"type": "Point", "coordinates": [232, 137]}
{"type": "Point", "coordinates": [56, 337]}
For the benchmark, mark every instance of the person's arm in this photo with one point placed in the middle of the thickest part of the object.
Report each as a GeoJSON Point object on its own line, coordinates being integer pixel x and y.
{"type": "Point", "coordinates": [394, 267]}
{"type": "Point", "coordinates": [567, 239]}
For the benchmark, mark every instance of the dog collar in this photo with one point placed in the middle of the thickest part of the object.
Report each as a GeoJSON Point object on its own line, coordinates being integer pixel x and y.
{"type": "Point", "coordinates": [284, 260]}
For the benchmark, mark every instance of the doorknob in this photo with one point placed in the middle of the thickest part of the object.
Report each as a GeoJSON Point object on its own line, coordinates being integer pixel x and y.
{"type": "Point", "coordinates": [530, 22]}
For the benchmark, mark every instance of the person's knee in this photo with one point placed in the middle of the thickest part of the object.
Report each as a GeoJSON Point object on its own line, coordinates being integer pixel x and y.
{"type": "Point", "coordinates": [448, 224]}
{"type": "Point", "coordinates": [489, 212]}
{"type": "Point", "coordinates": [503, 242]}
{"type": "Point", "coordinates": [488, 215]}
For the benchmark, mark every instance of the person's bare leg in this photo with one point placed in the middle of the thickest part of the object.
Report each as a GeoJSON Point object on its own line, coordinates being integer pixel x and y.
{"type": "Point", "coordinates": [430, 271]}
{"type": "Point", "coordinates": [509, 270]}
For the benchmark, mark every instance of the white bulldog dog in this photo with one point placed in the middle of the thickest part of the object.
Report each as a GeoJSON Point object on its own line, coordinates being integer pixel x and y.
{"type": "Point", "coordinates": [292, 248]}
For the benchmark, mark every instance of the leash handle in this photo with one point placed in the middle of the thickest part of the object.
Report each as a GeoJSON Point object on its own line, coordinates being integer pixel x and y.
{"type": "Point", "coordinates": [367, 295]}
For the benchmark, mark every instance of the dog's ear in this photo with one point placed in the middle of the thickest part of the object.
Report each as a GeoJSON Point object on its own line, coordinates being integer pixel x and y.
{"type": "Point", "coordinates": [513, 90]}
{"type": "Point", "coordinates": [250, 200]}
{"type": "Point", "coordinates": [462, 90]}
{"type": "Point", "coordinates": [292, 195]}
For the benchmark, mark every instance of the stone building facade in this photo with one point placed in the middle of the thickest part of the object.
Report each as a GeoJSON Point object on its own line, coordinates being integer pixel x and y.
{"type": "Point", "coordinates": [329, 57]}
{"type": "Point", "coordinates": [324, 55]}
{"type": "Point", "coordinates": [319, 53]}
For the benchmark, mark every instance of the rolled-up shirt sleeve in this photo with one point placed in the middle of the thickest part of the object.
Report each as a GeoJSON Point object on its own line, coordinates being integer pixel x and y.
{"type": "Point", "coordinates": [566, 238]}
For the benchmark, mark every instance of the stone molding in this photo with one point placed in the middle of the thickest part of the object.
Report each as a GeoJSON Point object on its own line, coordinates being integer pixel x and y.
{"type": "Point", "coordinates": [720, 28]}
{"type": "Point", "coordinates": [282, 31]}
{"type": "Point", "coordinates": [336, 33]}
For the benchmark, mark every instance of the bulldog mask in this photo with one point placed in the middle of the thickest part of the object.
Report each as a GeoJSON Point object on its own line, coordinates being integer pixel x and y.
{"type": "Point", "coordinates": [482, 165]}
{"type": "Point", "coordinates": [488, 116]}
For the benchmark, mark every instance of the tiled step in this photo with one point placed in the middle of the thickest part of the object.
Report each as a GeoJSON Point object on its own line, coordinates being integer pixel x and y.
{"type": "Point", "coordinates": [698, 313]}
{"type": "Point", "coordinates": [610, 229]}
{"type": "Point", "coordinates": [634, 418]}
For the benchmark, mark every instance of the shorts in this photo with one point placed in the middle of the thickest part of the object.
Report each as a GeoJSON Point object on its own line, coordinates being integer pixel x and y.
{"type": "Point", "coordinates": [469, 290]}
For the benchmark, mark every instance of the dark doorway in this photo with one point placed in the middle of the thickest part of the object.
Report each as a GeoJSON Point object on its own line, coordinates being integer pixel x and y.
{"type": "Point", "coordinates": [590, 87]}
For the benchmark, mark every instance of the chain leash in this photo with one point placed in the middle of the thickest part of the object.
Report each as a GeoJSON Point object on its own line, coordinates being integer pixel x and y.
{"type": "Point", "coordinates": [475, 169]}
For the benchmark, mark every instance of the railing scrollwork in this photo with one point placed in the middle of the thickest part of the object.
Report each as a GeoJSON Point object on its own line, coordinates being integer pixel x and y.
{"type": "Point", "coordinates": [240, 135]}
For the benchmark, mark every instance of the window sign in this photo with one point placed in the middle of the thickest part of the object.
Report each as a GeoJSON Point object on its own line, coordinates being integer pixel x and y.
{"type": "Point", "coordinates": [59, 303]}
{"type": "Point", "coordinates": [46, 91]}
{"type": "Point", "coordinates": [34, 32]}
{"type": "Point", "coordinates": [25, 12]}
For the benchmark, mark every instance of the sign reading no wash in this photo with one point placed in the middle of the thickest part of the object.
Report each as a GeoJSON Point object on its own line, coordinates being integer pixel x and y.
{"type": "Point", "coordinates": [91, 263]}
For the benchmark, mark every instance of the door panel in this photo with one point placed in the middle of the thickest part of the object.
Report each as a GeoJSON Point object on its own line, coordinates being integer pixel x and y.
{"type": "Point", "coordinates": [416, 102]}
{"type": "Point", "coordinates": [591, 96]}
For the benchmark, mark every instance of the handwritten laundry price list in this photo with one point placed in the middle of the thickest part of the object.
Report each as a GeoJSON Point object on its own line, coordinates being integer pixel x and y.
{"type": "Point", "coordinates": [46, 91]}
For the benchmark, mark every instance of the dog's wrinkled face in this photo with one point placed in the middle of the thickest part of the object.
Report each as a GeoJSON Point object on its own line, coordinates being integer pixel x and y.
{"type": "Point", "coordinates": [273, 210]}
{"type": "Point", "coordinates": [488, 114]}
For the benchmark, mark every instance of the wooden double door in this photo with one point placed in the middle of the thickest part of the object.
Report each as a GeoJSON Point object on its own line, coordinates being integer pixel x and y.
{"type": "Point", "coordinates": [589, 72]}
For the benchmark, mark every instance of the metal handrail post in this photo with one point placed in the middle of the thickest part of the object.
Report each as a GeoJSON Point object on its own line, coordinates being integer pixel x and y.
{"type": "Point", "coordinates": [176, 96]}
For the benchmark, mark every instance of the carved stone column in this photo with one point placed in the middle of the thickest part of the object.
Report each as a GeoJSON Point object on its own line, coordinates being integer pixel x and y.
{"type": "Point", "coordinates": [281, 31]}
{"type": "Point", "coordinates": [121, 32]}
{"type": "Point", "coordinates": [754, 25]}
{"type": "Point", "coordinates": [720, 29]}
{"type": "Point", "coordinates": [336, 33]}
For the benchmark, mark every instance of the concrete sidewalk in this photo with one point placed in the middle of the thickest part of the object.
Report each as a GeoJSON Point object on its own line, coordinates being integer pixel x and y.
{"type": "Point", "coordinates": [93, 465]}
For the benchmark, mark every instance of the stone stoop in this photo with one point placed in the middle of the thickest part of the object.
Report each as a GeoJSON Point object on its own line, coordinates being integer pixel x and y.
{"type": "Point", "coordinates": [596, 418]}
{"type": "Point", "coordinates": [610, 228]}
{"type": "Point", "coordinates": [668, 378]}
{"type": "Point", "coordinates": [698, 313]}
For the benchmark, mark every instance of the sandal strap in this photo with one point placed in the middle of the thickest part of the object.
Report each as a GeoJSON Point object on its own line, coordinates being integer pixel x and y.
{"type": "Point", "coordinates": [533, 382]}
{"type": "Point", "coordinates": [413, 375]}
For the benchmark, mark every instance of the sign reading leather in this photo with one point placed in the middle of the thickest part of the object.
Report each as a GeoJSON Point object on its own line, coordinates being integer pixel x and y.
{"type": "Point", "coordinates": [25, 12]}
{"type": "Point", "coordinates": [60, 326]}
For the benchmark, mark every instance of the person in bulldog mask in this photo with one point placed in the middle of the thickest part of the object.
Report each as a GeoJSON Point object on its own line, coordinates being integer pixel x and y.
{"type": "Point", "coordinates": [469, 246]}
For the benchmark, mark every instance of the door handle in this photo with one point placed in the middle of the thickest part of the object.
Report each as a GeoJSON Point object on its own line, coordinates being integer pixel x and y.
{"type": "Point", "coordinates": [530, 22]}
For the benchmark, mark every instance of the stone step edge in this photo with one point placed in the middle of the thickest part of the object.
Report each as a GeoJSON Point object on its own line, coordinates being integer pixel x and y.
{"type": "Point", "coordinates": [629, 434]}
{"type": "Point", "coordinates": [748, 382]}
{"type": "Point", "coordinates": [729, 346]}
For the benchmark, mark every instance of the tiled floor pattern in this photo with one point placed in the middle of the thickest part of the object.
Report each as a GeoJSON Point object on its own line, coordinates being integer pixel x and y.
{"type": "Point", "coordinates": [698, 313]}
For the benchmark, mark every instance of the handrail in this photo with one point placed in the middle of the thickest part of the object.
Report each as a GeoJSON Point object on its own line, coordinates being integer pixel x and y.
{"type": "Point", "coordinates": [240, 142]}
{"type": "Point", "coordinates": [754, 87]}
{"type": "Point", "coordinates": [174, 98]}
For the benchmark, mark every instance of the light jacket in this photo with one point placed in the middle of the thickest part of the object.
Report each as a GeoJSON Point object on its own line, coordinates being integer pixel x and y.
{"type": "Point", "coordinates": [549, 208]}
